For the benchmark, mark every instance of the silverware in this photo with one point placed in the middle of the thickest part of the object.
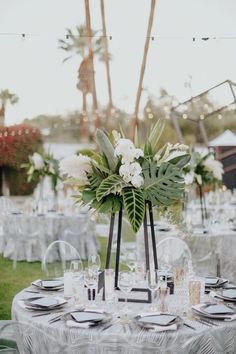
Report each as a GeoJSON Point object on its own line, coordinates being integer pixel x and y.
{"type": "Point", "coordinates": [45, 313]}
{"type": "Point", "coordinates": [206, 322]}
{"type": "Point", "coordinates": [187, 325]}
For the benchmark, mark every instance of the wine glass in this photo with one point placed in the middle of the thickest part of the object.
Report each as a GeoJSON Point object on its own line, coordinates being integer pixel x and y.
{"type": "Point", "coordinates": [131, 260]}
{"type": "Point", "coordinates": [94, 262]}
{"type": "Point", "coordinates": [126, 283]}
{"type": "Point", "coordinates": [153, 282]}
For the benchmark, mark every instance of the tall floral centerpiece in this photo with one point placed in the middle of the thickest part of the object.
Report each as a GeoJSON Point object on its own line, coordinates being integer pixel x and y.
{"type": "Point", "coordinates": [40, 166]}
{"type": "Point", "coordinates": [126, 176]}
{"type": "Point", "coordinates": [203, 170]}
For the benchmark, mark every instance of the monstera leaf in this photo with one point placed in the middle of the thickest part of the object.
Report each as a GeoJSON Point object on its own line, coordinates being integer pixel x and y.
{"type": "Point", "coordinates": [109, 185]}
{"type": "Point", "coordinates": [163, 185]}
{"type": "Point", "coordinates": [135, 206]}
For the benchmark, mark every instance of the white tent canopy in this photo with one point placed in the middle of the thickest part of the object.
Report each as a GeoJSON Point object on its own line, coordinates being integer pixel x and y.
{"type": "Point", "coordinates": [228, 138]}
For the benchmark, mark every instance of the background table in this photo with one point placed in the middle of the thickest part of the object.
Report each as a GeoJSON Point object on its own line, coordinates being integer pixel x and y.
{"type": "Point", "coordinates": [31, 234]}
{"type": "Point", "coordinates": [37, 336]}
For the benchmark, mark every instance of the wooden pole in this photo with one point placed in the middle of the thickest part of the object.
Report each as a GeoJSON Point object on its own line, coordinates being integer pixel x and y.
{"type": "Point", "coordinates": [92, 76]}
{"type": "Point", "coordinates": [110, 121]}
{"type": "Point", "coordinates": [134, 122]}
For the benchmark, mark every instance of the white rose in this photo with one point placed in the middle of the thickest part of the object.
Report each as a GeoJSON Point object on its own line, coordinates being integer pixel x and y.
{"type": "Point", "coordinates": [214, 166]}
{"type": "Point", "coordinates": [137, 181]}
{"type": "Point", "coordinates": [76, 167]}
{"type": "Point", "coordinates": [189, 178]}
{"type": "Point", "coordinates": [37, 161]}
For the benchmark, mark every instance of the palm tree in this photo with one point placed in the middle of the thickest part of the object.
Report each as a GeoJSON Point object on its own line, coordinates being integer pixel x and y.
{"type": "Point", "coordinates": [134, 122]}
{"type": "Point", "coordinates": [91, 66]}
{"type": "Point", "coordinates": [6, 97]}
{"type": "Point", "coordinates": [76, 43]}
{"type": "Point", "coordinates": [106, 59]}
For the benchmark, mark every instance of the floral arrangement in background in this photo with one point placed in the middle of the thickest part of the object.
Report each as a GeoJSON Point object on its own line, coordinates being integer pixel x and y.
{"type": "Point", "coordinates": [17, 142]}
{"type": "Point", "coordinates": [125, 175]}
{"type": "Point", "coordinates": [42, 165]}
{"type": "Point", "coordinates": [203, 170]}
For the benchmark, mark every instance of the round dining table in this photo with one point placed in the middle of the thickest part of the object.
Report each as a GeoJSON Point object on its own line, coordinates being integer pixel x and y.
{"type": "Point", "coordinates": [36, 335]}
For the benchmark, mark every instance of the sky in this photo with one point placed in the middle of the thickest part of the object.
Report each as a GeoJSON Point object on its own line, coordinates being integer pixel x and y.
{"type": "Point", "coordinates": [33, 69]}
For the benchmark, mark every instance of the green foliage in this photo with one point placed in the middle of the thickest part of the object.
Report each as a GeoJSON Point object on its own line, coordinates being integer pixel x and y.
{"type": "Point", "coordinates": [163, 185]}
{"type": "Point", "coordinates": [155, 134]}
{"type": "Point", "coordinates": [111, 185]}
{"type": "Point", "coordinates": [135, 206]}
{"type": "Point", "coordinates": [107, 148]}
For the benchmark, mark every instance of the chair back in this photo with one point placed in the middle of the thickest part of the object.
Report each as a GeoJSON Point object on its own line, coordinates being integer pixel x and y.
{"type": "Point", "coordinates": [172, 253]}
{"type": "Point", "coordinates": [58, 257]}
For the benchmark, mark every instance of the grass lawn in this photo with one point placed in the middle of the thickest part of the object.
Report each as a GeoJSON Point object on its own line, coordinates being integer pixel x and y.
{"type": "Point", "coordinates": [12, 281]}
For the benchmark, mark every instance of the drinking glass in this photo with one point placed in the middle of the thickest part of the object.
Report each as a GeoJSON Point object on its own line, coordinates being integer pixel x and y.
{"type": "Point", "coordinates": [76, 268]}
{"type": "Point", "coordinates": [91, 282]}
{"type": "Point", "coordinates": [153, 283]}
{"type": "Point", "coordinates": [94, 262]}
{"type": "Point", "coordinates": [126, 283]}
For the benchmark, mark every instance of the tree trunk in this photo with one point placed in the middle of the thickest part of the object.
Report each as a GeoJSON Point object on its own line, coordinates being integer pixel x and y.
{"type": "Point", "coordinates": [90, 47]}
{"type": "Point", "coordinates": [134, 122]}
{"type": "Point", "coordinates": [110, 122]}
{"type": "Point", "coordinates": [2, 115]}
{"type": "Point", "coordinates": [84, 122]}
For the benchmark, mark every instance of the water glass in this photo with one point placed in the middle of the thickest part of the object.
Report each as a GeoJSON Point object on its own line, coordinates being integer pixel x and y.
{"type": "Point", "coordinates": [91, 282]}
{"type": "Point", "coordinates": [68, 276]}
{"type": "Point", "coordinates": [162, 295]}
{"type": "Point", "coordinates": [109, 283]}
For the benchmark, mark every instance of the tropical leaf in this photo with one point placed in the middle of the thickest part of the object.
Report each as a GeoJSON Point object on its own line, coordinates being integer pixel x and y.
{"type": "Point", "coordinates": [88, 195]}
{"type": "Point", "coordinates": [135, 206]}
{"type": "Point", "coordinates": [163, 185]}
{"type": "Point", "coordinates": [109, 185]}
{"type": "Point", "coordinates": [107, 148]}
{"type": "Point", "coordinates": [181, 161]}
{"type": "Point", "coordinates": [95, 180]}
{"type": "Point", "coordinates": [156, 134]}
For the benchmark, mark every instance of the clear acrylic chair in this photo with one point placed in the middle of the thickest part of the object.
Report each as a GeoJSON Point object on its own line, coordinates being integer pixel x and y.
{"type": "Point", "coordinates": [173, 253]}
{"type": "Point", "coordinates": [80, 233]}
{"type": "Point", "coordinates": [58, 257]}
{"type": "Point", "coordinates": [26, 238]}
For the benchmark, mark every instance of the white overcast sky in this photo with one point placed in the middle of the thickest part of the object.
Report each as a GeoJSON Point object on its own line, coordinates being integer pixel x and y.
{"type": "Point", "coordinates": [33, 69]}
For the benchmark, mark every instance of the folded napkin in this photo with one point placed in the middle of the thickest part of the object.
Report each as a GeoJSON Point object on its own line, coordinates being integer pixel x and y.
{"type": "Point", "coordinates": [71, 323]}
{"type": "Point", "coordinates": [156, 328]}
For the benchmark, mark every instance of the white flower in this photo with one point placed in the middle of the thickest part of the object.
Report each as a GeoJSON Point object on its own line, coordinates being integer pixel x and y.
{"type": "Point", "coordinates": [126, 149]}
{"type": "Point", "coordinates": [214, 166]}
{"type": "Point", "coordinates": [116, 135]}
{"type": "Point", "coordinates": [189, 178]}
{"type": "Point", "coordinates": [137, 181]}
{"type": "Point", "coordinates": [124, 171]}
{"type": "Point", "coordinates": [135, 168]}
{"type": "Point", "coordinates": [76, 167]}
{"type": "Point", "coordinates": [37, 161]}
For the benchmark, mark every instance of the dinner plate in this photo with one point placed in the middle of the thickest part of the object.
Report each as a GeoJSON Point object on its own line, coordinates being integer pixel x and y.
{"type": "Point", "coordinates": [43, 303]}
{"type": "Point", "coordinates": [214, 282]}
{"type": "Point", "coordinates": [49, 284]}
{"type": "Point", "coordinates": [214, 311]}
{"type": "Point", "coordinates": [89, 316]}
{"type": "Point", "coordinates": [160, 320]}
{"type": "Point", "coordinates": [226, 295]}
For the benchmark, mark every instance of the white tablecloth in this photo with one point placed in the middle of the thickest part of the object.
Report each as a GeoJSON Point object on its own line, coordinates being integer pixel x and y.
{"type": "Point", "coordinates": [37, 336]}
{"type": "Point", "coordinates": [31, 234]}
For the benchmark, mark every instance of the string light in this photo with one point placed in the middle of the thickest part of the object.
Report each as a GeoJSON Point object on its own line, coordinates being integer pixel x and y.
{"type": "Point", "coordinates": [150, 115]}
{"type": "Point", "coordinates": [219, 116]}
{"type": "Point", "coordinates": [185, 116]}
{"type": "Point", "coordinates": [202, 116]}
